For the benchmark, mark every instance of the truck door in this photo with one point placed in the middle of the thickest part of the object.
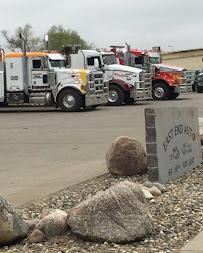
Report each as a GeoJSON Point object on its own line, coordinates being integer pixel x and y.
{"type": "Point", "coordinates": [38, 73]}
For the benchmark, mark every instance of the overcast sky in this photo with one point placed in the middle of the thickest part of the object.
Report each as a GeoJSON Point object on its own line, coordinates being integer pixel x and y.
{"type": "Point", "coordinates": [171, 24]}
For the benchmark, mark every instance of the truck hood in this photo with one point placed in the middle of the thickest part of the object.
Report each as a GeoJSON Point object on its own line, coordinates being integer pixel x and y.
{"type": "Point", "coordinates": [70, 70]}
{"type": "Point", "coordinates": [168, 67]}
{"type": "Point", "coordinates": [118, 67]}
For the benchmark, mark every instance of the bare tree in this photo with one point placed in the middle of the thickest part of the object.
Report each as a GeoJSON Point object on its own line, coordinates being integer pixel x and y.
{"type": "Point", "coordinates": [14, 41]}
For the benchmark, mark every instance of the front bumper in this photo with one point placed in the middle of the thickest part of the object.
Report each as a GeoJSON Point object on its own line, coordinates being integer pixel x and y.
{"type": "Point", "coordinates": [101, 99]}
{"type": "Point", "coordinates": [185, 88]}
{"type": "Point", "coordinates": [141, 94]}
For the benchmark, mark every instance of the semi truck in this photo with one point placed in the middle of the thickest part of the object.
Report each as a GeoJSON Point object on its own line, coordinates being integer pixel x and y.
{"type": "Point", "coordinates": [167, 81]}
{"type": "Point", "coordinates": [41, 79]}
{"type": "Point", "coordinates": [187, 77]}
{"type": "Point", "coordinates": [126, 84]}
{"type": "Point", "coordinates": [164, 85]}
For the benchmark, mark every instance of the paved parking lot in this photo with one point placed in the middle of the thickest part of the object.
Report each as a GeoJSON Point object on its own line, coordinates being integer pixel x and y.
{"type": "Point", "coordinates": [43, 151]}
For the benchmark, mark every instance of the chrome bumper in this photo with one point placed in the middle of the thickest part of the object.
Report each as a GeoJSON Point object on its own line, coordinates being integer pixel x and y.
{"type": "Point", "coordinates": [101, 99]}
{"type": "Point", "coordinates": [185, 88]}
{"type": "Point", "coordinates": [141, 94]}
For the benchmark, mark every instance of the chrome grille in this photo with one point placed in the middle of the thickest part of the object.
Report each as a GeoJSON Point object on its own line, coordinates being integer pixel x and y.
{"type": "Point", "coordinates": [147, 80]}
{"type": "Point", "coordinates": [96, 85]}
{"type": "Point", "coordinates": [187, 82]}
{"type": "Point", "coordinates": [189, 76]}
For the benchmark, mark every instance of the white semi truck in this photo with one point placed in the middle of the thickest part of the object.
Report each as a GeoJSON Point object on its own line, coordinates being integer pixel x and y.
{"type": "Point", "coordinates": [41, 79]}
{"type": "Point", "coordinates": [126, 84]}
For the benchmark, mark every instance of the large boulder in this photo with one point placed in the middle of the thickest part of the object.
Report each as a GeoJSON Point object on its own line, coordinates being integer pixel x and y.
{"type": "Point", "coordinates": [12, 226]}
{"type": "Point", "coordinates": [119, 214]}
{"type": "Point", "coordinates": [126, 157]}
{"type": "Point", "coordinates": [53, 224]}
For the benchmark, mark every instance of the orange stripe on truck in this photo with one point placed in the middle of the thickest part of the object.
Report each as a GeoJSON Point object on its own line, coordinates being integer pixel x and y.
{"type": "Point", "coordinates": [28, 54]}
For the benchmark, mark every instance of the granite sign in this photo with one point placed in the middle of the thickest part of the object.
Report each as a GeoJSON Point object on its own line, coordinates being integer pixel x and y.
{"type": "Point", "coordinates": [172, 142]}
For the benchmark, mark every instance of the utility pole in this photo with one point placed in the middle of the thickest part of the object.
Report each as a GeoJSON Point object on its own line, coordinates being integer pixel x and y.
{"type": "Point", "coordinates": [25, 63]}
{"type": "Point", "coordinates": [46, 39]}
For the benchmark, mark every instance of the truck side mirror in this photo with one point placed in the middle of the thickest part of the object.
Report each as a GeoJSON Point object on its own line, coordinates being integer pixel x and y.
{"type": "Point", "coordinates": [96, 63]}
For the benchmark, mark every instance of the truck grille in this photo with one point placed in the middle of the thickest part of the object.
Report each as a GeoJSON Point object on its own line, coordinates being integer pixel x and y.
{"type": "Point", "coordinates": [187, 81]}
{"type": "Point", "coordinates": [189, 76]}
{"type": "Point", "coordinates": [96, 85]}
{"type": "Point", "coordinates": [145, 80]}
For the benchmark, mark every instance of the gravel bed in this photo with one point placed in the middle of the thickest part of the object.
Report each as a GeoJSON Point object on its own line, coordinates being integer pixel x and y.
{"type": "Point", "coordinates": [178, 217]}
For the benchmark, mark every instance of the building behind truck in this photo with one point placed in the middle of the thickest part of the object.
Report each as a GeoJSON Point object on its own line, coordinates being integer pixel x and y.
{"type": "Point", "coordinates": [40, 78]}
{"type": "Point", "coordinates": [126, 84]}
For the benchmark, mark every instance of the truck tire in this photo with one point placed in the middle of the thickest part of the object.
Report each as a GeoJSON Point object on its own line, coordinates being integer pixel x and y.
{"type": "Point", "coordinates": [116, 95]}
{"type": "Point", "coordinates": [199, 89]}
{"type": "Point", "coordinates": [160, 91]}
{"type": "Point", "coordinates": [70, 100]}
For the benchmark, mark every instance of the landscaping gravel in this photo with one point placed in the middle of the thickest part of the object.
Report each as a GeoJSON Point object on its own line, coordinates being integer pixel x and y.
{"type": "Point", "coordinates": [177, 213]}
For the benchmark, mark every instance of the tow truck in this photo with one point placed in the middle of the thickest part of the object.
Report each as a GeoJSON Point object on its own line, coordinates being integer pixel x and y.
{"type": "Point", "coordinates": [126, 84]}
{"type": "Point", "coordinates": [41, 79]}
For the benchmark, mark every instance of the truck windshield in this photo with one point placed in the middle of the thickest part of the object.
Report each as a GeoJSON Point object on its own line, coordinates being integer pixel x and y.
{"type": "Point", "coordinates": [57, 63]}
{"type": "Point", "coordinates": [109, 59]}
{"type": "Point", "coordinates": [155, 60]}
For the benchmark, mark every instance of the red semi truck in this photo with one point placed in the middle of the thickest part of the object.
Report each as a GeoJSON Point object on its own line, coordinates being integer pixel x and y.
{"type": "Point", "coordinates": [167, 81]}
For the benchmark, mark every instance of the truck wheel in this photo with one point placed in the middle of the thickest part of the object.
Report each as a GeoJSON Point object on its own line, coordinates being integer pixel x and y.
{"type": "Point", "coordinates": [70, 100]}
{"type": "Point", "coordinates": [199, 89]}
{"type": "Point", "coordinates": [116, 95]}
{"type": "Point", "coordinates": [160, 91]}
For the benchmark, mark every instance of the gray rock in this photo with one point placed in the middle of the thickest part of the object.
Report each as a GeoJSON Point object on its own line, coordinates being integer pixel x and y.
{"type": "Point", "coordinates": [154, 191]}
{"type": "Point", "coordinates": [53, 224]}
{"type": "Point", "coordinates": [126, 157]}
{"type": "Point", "coordinates": [119, 215]}
{"type": "Point", "coordinates": [148, 184]}
{"type": "Point", "coordinates": [147, 193]}
{"type": "Point", "coordinates": [32, 223]}
{"type": "Point", "coordinates": [36, 236]}
{"type": "Point", "coordinates": [161, 187]}
{"type": "Point", "coordinates": [12, 226]}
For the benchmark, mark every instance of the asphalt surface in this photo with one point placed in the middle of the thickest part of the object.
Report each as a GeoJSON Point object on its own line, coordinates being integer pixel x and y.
{"type": "Point", "coordinates": [43, 150]}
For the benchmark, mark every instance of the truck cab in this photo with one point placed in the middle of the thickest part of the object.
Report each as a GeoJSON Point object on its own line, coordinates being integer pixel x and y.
{"type": "Point", "coordinates": [126, 84]}
{"type": "Point", "coordinates": [164, 86]}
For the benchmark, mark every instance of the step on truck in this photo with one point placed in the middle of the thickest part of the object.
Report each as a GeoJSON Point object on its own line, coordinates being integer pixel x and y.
{"type": "Point", "coordinates": [41, 79]}
{"type": "Point", "coordinates": [126, 84]}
